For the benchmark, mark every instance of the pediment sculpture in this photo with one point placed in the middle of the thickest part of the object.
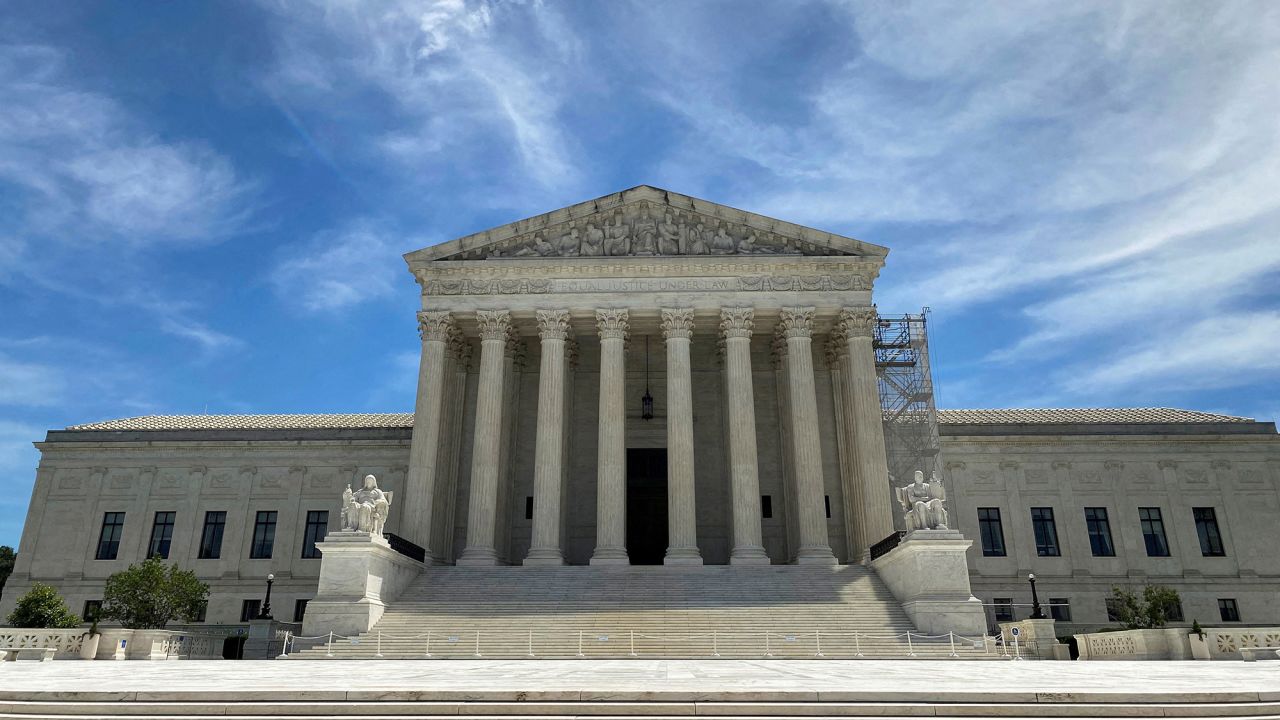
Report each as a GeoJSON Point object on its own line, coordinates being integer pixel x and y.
{"type": "Point", "coordinates": [366, 509]}
{"type": "Point", "coordinates": [645, 229]}
{"type": "Point", "coordinates": [922, 503]}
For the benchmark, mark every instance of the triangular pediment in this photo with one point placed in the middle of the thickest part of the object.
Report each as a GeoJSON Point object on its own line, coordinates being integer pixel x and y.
{"type": "Point", "coordinates": [644, 222]}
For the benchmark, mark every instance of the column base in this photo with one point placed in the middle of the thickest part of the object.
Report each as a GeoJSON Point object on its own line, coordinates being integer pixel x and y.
{"type": "Point", "coordinates": [751, 555]}
{"type": "Point", "coordinates": [816, 556]}
{"type": "Point", "coordinates": [478, 557]}
{"type": "Point", "coordinates": [610, 556]}
{"type": "Point", "coordinates": [544, 556]}
{"type": "Point", "coordinates": [682, 556]}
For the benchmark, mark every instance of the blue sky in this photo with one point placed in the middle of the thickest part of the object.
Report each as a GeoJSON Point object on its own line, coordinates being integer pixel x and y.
{"type": "Point", "coordinates": [203, 205]}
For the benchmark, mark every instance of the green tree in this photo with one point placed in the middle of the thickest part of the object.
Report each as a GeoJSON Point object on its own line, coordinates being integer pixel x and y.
{"type": "Point", "coordinates": [147, 596]}
{"type": "Point", "coordinates": [42, 607]}
{"type": "Point", "coordinates": [1152, 609]}
{"type": "Point", "coordinates": [7, 558]}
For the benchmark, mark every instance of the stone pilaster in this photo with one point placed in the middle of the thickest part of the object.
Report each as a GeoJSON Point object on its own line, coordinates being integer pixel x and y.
{"type": "Point", "coordinates": [435, 329]}
{"type": "Point", "coordinates": [548, 467]}
{"type": "Point", "coordinates": [611, 472]}
{"type": "Point", "coordinates": [487, 444]}
{"type": "Point", "coordinates": [797, 323]}
{"type": "Point", "coordinates": [736, 325]}
{"type": "Point", "coordinates": [682, 539]}
{"type": "Point", "coordinates": [862, 396]}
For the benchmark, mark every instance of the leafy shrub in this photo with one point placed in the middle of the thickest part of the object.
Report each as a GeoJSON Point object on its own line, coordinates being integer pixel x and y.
{"type": "Point", "coordinates": [148, 596]}
{"type": "Point", "coordinates": [42, 607]}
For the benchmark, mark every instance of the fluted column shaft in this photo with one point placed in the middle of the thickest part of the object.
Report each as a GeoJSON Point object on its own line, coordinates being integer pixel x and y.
{"type": "Point", "coordinates": [611, 469]}
{"type": "Point", "coordinates": [548, 461]}
{"type": "Point", "coordinates": [736, 324]}
{"type": "Point", "coordinates": [486, 447]}
{"type": "Point", "coordinates": [682, 526]}
{"type": "Point", "coordinates": [862, 395]}
{"type": "Point", "coordinates": [797, 323]}
{"type": "Point", "coordinates": [436, 329]}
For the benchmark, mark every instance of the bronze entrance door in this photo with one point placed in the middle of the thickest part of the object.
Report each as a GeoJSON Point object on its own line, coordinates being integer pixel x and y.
{"type": "Point", "coordinates": [646, 505]}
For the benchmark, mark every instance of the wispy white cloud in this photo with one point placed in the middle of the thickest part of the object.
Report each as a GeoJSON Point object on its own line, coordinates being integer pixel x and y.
{"type": "Point", "coordinates": [29, 383]}
{"type": "Point", "coordinates": [463, 83]}
{"type": "Point", "coordinates": [342, 268]}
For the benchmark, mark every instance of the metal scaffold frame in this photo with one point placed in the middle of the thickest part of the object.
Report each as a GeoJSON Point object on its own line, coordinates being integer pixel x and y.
{"type": "Point", "coordinates": [906, 394]}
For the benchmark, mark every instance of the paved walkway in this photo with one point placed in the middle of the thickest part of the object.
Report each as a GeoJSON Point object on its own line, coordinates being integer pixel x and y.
{"type": "Point", "coordinates": [796, 680]}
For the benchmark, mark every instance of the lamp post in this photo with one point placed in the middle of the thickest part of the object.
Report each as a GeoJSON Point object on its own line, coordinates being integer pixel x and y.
{"type": "Point", "coordinates": [265, 613]}
{"type": "Point", "coordinates": [1036, 612]}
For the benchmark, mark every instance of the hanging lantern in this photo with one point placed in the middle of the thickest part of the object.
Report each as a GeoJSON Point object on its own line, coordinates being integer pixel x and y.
{"type": "Point", "coordinates": [646, 402]}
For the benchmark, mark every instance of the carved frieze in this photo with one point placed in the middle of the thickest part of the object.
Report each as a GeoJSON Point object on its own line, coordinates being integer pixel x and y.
{"type": "Point", "coordinates": [750, 283]}
{"type": "Point", "coordinates": [646, 229]}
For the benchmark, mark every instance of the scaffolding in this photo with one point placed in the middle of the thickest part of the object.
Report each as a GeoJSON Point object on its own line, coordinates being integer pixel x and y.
{"type": "Point", "coordinates": [906, 394]}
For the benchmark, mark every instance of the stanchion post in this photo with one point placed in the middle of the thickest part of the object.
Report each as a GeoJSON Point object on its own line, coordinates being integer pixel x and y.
{"type": "Point", "coordinates": [767, 651]}
{"type": "Point", "coordinates": [952, 634]}
{"type": "Point", "coordinates": [477, 643]}
{"type": "Point", "coordinates": [428, 653]}
{"type": "Point", "coordinates": [715, 644]}
{"type": "Point", "coordinates": [580, 644]}
{"type": "Point", "coordinates": [857, 645]}
{"type": "Point", "coordinates": [530, 643]}
{"type": "Point", "coordinates": [329, 651]}
{"type": "Point", "coordinates": [379, 652]}
{"type": "Point", "coordinates": [817, 638]}
{"type": "Point", "coordinates": [633, 643]}
{"type": "Point", "coordinates": [911, 651]}
{"type": "Point", "coordinates": [284, 647]}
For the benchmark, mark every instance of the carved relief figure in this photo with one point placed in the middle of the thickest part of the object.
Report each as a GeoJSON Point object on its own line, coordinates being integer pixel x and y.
{"type": "Point", "coordinates": [668, 236]}
{"type": "Point", "coordinates": [697, 242]}
{"type": "Point", "coordinates": [646, 234]}
{"type": "Point", "coordinates": [616, 244]}
{"type": "Point", "coordinates": [721, 243]}
{"type": "Point", "coordinates": [366, 509]}
{"type": "Point", "coordinates": [567, 245]}
{"type": "Point", "coordinates": [593, 241]}
{"type": "Point", "coordinates": [922, 503]}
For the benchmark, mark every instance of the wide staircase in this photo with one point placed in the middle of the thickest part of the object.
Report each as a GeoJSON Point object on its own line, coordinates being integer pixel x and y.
{"type": "Point", "coordinates": [783, 611]}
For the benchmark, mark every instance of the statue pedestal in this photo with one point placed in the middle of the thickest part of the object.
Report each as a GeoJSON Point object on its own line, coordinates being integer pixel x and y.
{"type": "Point", "coordinates": [359, 574]}
{"type": "Point", "coordinates": [929, 574]}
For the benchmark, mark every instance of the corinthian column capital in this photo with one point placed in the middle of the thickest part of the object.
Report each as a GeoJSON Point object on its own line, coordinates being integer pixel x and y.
{"type": "Point", "coordinates": [677, 322]}
{"type": "Point", "coordinates": [797, 321]}
{"type": "Point", "coordinates": [435, 325]}
{"type": "Point", "coordinates": [494, 324]}
{"type": "Point", "coordinates": [553, 324]}
{"type": "Point", "coordinates": [856, 322]}
{"type": "Point", "coordinates": [613, 323]}
{"type": "Point", "coordinates": [737, 322]}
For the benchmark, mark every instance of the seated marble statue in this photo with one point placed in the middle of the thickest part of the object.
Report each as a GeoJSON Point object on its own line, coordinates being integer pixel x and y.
{"type": "Point", "coordinates": [366, 509]}
{"type": "Point", "coordinates": [922, 503]}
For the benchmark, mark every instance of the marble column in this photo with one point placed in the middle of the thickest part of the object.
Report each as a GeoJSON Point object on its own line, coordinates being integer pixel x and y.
{"type": "Point", "coordinates": [486, 447]}
{"type": "Point", "coordinates": [682, 527]}
{"type": "Point", "coordinates": [856, 543]}
{"type": "Point", "coordinates": [611, 472]}
{"type": "Point", "coordinates": [797, 323]}
{"type": "Point", "coordinates": [548, 462]}
{"type": "Point", "coordinates": [862, 398]}
{"type": "Point", "coordinates": [744, 473]}
{"type": "Point", "coordinates": [436, 329]}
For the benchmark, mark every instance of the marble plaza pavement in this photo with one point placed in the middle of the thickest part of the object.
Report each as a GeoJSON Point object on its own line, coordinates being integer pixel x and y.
{"type": "Point", "coordinates": [653, 688]}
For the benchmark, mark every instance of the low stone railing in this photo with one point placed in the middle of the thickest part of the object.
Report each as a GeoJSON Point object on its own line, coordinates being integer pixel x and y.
{"type": "Point", "coordinates": [69, 643]}
{"type": "Point", "coordinates": [1175, 644]}
{"type": "Point", "coordinates": [1226, 643]}
{"type": "Point", "coordinates": [123, 644]}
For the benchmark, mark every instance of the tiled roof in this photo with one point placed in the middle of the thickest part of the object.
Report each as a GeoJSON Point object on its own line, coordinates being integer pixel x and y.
{"type": "Point", "coordinates": [345, 421]}
{"type": "Point", "coordinates": [1084, 416]}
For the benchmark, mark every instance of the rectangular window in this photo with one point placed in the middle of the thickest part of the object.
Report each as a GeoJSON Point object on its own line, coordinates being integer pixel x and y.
{"type": "Point", "coordinates": [161, 535]}
{"type": "Point", "coordinates": [299, 609]}
{"type": "Point", "coordinates": [528, 507]}
{"type": "Point", "coordinates": [202, 613]}
{"type": "Point", "coordinates": [827, 499]}
{"type": "Point", "coordinates": [1060, 609]}
{"type": "Point", "coordinates": [1113, 610]}
{"type": "Point", "coordinates": [1046, 532]}
{"type": "Point", "coordinates": [991, 531]}
{"type": "Point", "coordinates": [109, 538]}
{"type": "Point", "coordinates": [1207, 529]}
{"type": "Point", "coordinates": [1095, 519]}
{"type": "Point", "coordinates": [766, 506]}
{"type": "Point", "coordinates": [249, 610]}
{"type": "Point", "coordinates": [317, 526]}
{"type": "Point", "coordinates": [264, 534]}
{"type": "Point", "coordinates": [1153, 532]}
{"type": "Point", "coordinates": [91, 609]}
{"type": "Point", "coordinates": [1228, 609]}
{"type": "Point", "coordinates": [1002, 608]}
{"type": "Point", "coordinates": [215, 521]}
{"type": "Point", "coordinates": [1174, 613]}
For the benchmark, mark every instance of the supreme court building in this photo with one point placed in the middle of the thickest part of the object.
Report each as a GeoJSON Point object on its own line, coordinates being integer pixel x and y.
{"type": "Point", "coordinates": [651, 379]}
